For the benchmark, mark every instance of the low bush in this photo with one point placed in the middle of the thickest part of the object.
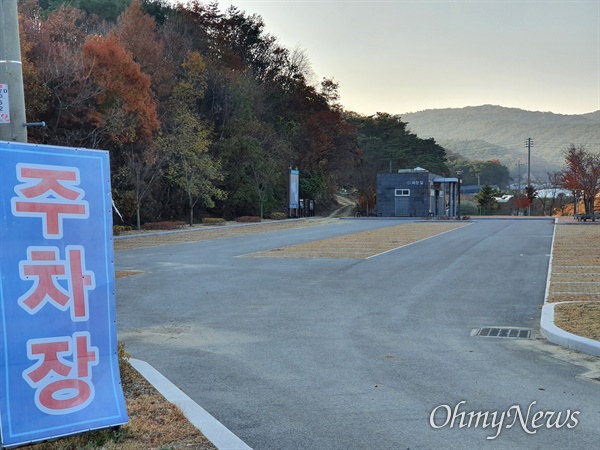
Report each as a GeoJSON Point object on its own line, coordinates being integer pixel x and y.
{"type": "Point", "coordinates": [118, 229]}
{"type": "Point", "coordinates": [248, 219]}
{"type": "Point", "coordinates": [278, 216]}
{"type": "Point", "coordinates": [468, 208]}
{"type": "Point", "coordinates": [213, 221]}
{"type": "Point", "coordinates": [168, 225]}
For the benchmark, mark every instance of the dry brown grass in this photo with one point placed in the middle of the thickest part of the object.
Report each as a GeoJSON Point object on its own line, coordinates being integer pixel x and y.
{"type": "Point", "coordinates": [127, 273]}
{"type": "Point", "coordinates": [575, 277]}
{"type": "Point", "coordinates": [582, 319]}
{"type": "Point", "coordinates": [154, 423]}
{"type": "Point", "coordinates": [365, 244]}
{"type": "Point", "coordinates": [575, 272]}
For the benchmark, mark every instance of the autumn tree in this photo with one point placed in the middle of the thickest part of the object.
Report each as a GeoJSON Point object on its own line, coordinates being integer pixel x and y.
{"type": "Point", "coordinates": [104, 71]}
{"type": "Point", "coordinates": [61, 73]}
{"type": "Point", "coordinates": [522, 202]}
{"type": "Point", "coordinates": [137, 32]}
{"type": "Point", "coordinates": [37, 95]}
{"type": "Point", "coordinates": [125, 112]}
{"type": "Point", "coordinates": [582, 175]}
{"type": "Point", "coordinates": [189, 166]}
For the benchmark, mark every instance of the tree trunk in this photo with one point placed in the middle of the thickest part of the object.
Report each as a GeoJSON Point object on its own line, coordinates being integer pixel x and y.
{"type": "Point", "coordinates": [138, 201]}
{"type": "Point", "coordinates": [191, 212]}
{"type": "Point", "coordinates": [137, 212]}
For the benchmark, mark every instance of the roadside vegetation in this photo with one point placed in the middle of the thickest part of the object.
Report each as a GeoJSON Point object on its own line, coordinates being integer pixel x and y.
{"type": "Point", "coordinates": [203, 113]}
{"type": "Point", "coordinates": [202, 110]}
{"type": "Point", "coordinates": [574, 190]}
{"type": "Point", "coordinates": [154, 423]}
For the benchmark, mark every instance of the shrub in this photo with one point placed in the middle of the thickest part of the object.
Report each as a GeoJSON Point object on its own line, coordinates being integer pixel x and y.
{"type": "Point", "coordinates": [168, 225]}
{"type": "Point", "coordinates": [118, 229]}
{"type": "Point", "coordinates": [213, 221]}
{"type": "Point", "coordinates": [468, 208]}
{"type": "Point", "coordinates": [123, 356]}
{"type": "Point", "coordinates": [248, 219]}
{"type": "Point", "coordinates": [278, 216]}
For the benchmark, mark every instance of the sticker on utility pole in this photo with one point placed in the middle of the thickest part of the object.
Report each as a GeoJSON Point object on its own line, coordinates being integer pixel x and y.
{"type": "Point", "coordinates": [4, 109]}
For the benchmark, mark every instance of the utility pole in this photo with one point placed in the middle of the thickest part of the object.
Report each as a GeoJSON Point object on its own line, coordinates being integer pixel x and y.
{"type": "Point", "coordinates": [12, 95]}
{"type": "Point", "coordinates": [519, 171]}
{"type": "Point", "coordinates": [528, 143]}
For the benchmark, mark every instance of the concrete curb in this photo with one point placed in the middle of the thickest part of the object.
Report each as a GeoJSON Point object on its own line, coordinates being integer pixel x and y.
{"type": "Point", "coordinates": [557, 335]}
{"type": "Point", "coordinates": [203, 228]}
{"type": "Point", "coordinates": [214, 430]}
{"type": "Point", "coordinates": [562, 337]}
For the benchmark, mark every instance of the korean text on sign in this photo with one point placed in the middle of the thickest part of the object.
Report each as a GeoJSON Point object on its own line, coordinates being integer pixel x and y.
{"type": "Point", "coordinates": [59, 360]}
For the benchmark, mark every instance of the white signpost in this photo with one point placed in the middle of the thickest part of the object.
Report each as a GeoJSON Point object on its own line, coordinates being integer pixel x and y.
{"type": "Point", "coordinates": [4, 108]}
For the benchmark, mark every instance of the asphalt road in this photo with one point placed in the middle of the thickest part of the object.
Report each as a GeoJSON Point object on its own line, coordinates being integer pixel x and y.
{"type": "Point", "coordinates": [356, 354]}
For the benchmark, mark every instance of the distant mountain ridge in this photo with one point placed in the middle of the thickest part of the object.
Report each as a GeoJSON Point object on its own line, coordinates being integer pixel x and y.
{"type": "Point", "coordinates": [497, 132]}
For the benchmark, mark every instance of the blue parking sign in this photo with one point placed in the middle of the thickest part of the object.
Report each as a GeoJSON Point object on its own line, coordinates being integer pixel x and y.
{"type": "Point", "coordinates": [59, 372]}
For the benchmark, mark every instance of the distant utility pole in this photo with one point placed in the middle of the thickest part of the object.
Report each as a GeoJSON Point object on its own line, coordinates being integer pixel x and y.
{"type": "Point", "coordinates": [519, 171]}
{"type": "Point", "coordinates": [12, 95]}
{"type": "Point", "coordinates": [528, 144]}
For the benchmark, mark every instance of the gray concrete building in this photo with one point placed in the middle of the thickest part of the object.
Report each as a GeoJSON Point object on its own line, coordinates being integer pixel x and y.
{"type": "Point", "coordinates": [416, 193]}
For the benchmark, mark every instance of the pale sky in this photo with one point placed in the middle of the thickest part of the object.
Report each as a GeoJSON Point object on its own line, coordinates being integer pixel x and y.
{"type": "Point", "coordinates": [404, 56]}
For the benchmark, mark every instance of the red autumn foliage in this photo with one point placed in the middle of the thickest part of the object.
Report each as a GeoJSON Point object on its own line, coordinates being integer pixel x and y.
{"type": "Point", "coordinates": [522, 202]}
{"type": "Point", "coordinates": [582, 175]}
{"type": "Point", "coordinates": [126, 107]}
{"type": "Point", "coordinates": [136, 31]}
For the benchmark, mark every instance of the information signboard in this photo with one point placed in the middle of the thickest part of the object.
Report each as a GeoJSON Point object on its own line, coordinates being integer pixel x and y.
{"type": "Point", "coordinates": [294, 189]}
{"type": "Point", "coordinates": [4, 108]}
{"type": "Point", "coordinates": [59, 372]}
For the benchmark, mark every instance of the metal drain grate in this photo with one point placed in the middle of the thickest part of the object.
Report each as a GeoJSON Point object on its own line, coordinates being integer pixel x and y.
{"type": "Point", "coordinates": [497, 332]}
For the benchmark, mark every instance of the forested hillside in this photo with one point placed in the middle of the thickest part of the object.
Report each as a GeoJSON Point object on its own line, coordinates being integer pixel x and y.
{"type": "Point", "coordinates": [202, 110]}
{"type": "Point", "coordinates": [495, 132]}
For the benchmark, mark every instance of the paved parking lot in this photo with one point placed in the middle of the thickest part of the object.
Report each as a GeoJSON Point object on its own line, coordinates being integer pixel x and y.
{"type": "Point", "coordinates": [356, 353]}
